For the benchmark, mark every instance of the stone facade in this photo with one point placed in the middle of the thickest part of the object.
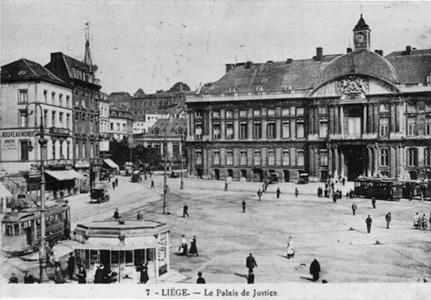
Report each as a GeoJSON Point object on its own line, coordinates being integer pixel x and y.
{"type": "Point", "coordinates": [358, 113]}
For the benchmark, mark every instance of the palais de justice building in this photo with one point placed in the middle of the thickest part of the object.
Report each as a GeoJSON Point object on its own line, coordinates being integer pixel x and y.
{"type": "Point", "coordinates": [358, 113]}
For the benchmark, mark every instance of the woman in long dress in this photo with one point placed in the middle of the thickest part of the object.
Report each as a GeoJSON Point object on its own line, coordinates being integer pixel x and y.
{"type": "Point", "coordinates": [184, 245]}
{"type": "Point", "coordinates": [290, 248]}
{"type": "Point", "coordinates": [193, 248]}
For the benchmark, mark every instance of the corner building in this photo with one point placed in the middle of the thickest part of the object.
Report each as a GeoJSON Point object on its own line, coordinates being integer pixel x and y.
{"type": "Point", "coordinates": [331, 116]}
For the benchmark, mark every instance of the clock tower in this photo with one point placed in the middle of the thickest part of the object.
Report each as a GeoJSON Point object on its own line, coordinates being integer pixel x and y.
{"type": "Point", "coordinates": [361, 35]}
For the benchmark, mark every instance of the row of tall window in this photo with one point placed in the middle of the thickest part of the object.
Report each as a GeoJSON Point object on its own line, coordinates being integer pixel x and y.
{"type": "Point", "coordinates": [118, 127]}
{"type": "Point", "coordinates": [59, 150]}
{"type": "Point", "coordinates": [53, 98]}
{"type": "Point", "coordinates": [50, 119]}
{"type": "Point", "coordinates": [412, 126]}
{"type": "Point", "coordinates": [286, 159]}
{"type": "Point", "coordinates": [270, 112]}
{"type": "Point", "coordinates": [411, 157]}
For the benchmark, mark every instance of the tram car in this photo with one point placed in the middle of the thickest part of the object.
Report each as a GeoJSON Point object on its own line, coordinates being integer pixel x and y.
{"type": "Point", "coordinates": [100, 192]}
{"type": "Point", "coordinates": [416, 189]}
{"type": "Point", "coordinates": [379, 188]}
{"type": "Point", "coordinates": [21, 230]}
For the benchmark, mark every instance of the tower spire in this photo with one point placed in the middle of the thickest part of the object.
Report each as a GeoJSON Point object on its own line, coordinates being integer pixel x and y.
{"type": "Point", "coordinates": [87, 56]}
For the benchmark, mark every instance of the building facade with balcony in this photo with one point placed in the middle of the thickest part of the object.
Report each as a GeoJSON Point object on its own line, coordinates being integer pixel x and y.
{"type": "Point", "coordinates": [81, 76]}
{"type": "Point", "coordinates": [331, 116]}
{"type": "Point", "coordinates": [121, 123]}
{"type": "Point", "coordinates": [24, 82]}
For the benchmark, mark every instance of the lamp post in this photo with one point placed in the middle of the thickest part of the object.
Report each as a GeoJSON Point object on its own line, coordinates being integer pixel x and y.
{"type": "Point", "coordinates": [43, 275]}
{"type": "Point", "coordinates": [165, 186]}
{"type": "Point", "coordinates": [182, 162]}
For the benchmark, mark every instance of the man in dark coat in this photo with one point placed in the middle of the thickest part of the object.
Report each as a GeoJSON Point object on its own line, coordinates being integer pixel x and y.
{"type": "Point", "coordinates": [278, 192]}
{"type": "Point", "coordinates": [200, 279]}
{"type": "Point", "coordinates": [28, 278]}
{"type": "Point", "coordinates": [82, 274]}
{"type": "Point", "coordinates": [250, 263]}
{"type": "Point", "coordinates": [243, 205]}
{"type": "Point", "coordinates": [116, 214]}
{"type": "Point", "coordinates": [113, 185]}
{"type": "Point", "coordinates": [354, 208]}
{"type": "Point", "coordinates": [315, 269]}
{"type": "Point", "coordinates": [259, 195]}
{"type": "Point", "coordinates": [373, 202]}
{"type": "Point", "coordinates": [98, 276]}
{"type": "Point", "coordinates": [13, 278]}
{"type": "Point", "coordinates": [193, 247]}
{"type": "Point", "coordinates": [116, 182]}
{"type": "Point", "coordinates": [143, 268]}
{"type": "Point", "coordinates": [71, 265]}
{"type": "Point", "coordinates": [368, 221]}
{"type": "Point", "coordinates": [185, 211]}
{"type": "Point", "coordinates": [388, 218]}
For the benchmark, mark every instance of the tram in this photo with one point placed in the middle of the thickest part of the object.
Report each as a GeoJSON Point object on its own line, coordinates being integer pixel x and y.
{"type": "Point", "coordinates": [379, 188]}
{"type": "Point", "coordinates": [21, 230]}
{"type": "Point", "coordinates": [416, 189]}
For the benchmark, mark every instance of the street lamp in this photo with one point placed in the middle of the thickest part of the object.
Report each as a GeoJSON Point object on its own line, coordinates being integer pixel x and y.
{"type": "Point", "coordinates": [43, 275]}
{"type": "Point", "coordinates": [165, 186]}
{"type": "Point", "coordinates": [182, 161]}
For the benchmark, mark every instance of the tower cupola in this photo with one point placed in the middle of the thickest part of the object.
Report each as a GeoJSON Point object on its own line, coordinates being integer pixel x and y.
{"type": "Point", "coordinates": [361, 35]}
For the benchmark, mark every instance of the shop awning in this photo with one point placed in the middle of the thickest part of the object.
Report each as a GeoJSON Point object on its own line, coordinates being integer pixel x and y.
{"type": "Point", "coordinates": [118, 247]}
{"type": "Point", "coordinates": [111, 164]}
{"type": "Point", "coordinates": [64, 174]}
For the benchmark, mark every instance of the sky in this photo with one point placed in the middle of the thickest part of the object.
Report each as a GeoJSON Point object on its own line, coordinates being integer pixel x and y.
{"type": "Point", "coordinates": [154, 44]}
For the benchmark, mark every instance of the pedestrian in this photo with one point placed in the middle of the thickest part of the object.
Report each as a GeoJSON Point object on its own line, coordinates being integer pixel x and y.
{"type": "Point", "coordinates": [98, 276]}
{"type": "Point", "coordinates": [200, 279]}
{"type": "Point", "coordinates": [278, 192]}
{"type": "Point", "coordinates": [71, 265]}
{"type": "Point", "coordinates": [343, 180]}
{"type": "Point", "coordinates": [28, 278]}
{"type": "Point", "coordinates": [113, 185]}
{"type": "Point", "coordinates": [250, 278]}
{"type": "Point", "coordinates": [116, 182]}
{"type": "Point", "coordinates": [388, 219]}
{"type": "Point", "coordinates": [58, 276]}
{"type": "Point", "coordinates": [183, 246]}
{"type": "Point", "coordinates": [368, 221]}
{"type": "Point", "coordinates": [243, 205]}
{"type": "Point", "coordinates": [296, 192]}
{"type": "Point", "coordinates": [424, 221]}
{"type": "Point", "coordinates": [185, 211]}
{"type": "Point", "coordinates": [13, 278]}
{"type": "Point", "coordinates": [354, 208]}
{"type": "Point", "coordinates": [416, 221]}
{"type": "Point", "coordinates": [193, 247]}
{"type": "Point", "coordinates": [315, 269]}
{"type": "Point", "coordinates": [259, 194]}
{"type": "Point", "coordinates": [116, 214]}
{"type": "Point", "coordinates": [250, 263]}
{"type": "Point", "coordinates": [143, 269]}
{"type": "Point", "coordinates": [82, 274]}
{"type": "Point", "coordinates": [334, 197]}
{"type": "Point", "coordinates": [152, 184]}
{"type": "Point", "coordinates": [290, 248]}
{"type": "Point", "coordinates": [139, 216]}
{"type": "Point", "coordinates": [226, 185]}
{"type": "Point", "coordinates": [373, 202]}
{"type": "Point", "coordinates": [430, 220]}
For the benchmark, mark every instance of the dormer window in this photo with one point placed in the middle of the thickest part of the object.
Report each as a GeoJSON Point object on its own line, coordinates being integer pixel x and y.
{"type": "Point", "coordinates": [156, 131]}
{"type": "Point", "coordinates": [288, 88]}
{"type": "Point", "coordinates": [260, 88]}
{"type": "Point", "coordinates": [233, 90]}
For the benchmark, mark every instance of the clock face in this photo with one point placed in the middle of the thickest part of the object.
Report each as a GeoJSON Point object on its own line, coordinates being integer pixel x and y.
{"type": "Point", "coordinates": [360, 38]}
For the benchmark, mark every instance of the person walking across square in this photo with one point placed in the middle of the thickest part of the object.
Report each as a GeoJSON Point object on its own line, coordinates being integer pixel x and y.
{"type": "Point", "coordinates": [250, 263]}
{"type": "Point", "coordinates": [368, 221]}
{"type": "Point", "coordinates": [259, 194]}
{"type": "Point", "coordinates": [388, 219]}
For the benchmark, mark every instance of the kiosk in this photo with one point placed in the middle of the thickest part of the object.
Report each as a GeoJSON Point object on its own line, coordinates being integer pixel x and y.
{"type": "Point", "coordinates": [121, 246]}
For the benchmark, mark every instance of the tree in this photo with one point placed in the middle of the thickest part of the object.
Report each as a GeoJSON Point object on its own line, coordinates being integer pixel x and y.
{"type": "Point", "coordinates": [178, 86]}
{"type": "Point", "coordinates": [146, 156]}
{"type": "Point", "coordinates": [120, 151]}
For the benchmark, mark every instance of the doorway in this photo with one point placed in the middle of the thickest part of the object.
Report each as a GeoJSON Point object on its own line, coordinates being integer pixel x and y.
{"type": "Point", "coordinates": [216, 174]}
{"type": "Point", "coordinates": [257, 175]}
{"type": "Point", "coordinates": [355, 161]}
{"type": "Point", "coordinates": [286, 174]}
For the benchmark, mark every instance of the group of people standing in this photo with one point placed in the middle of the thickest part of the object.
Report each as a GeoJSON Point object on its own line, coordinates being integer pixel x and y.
{"type": "Point", "coordinates": [184, 250]}
{"type": "Point", "coordinates": [421, 221]}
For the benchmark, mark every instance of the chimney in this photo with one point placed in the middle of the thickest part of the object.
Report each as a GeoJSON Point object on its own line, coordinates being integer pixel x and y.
{"type": "Point", "coordinates": [408, 50]}
{"type": "Point", "coordinates": [349, 50]}
{"type": "Point", "coordinates": [289, 61]}
{"type": "Point", "coordinates": [319, 53]}
{"type": "Point", "coordinates": [248, 64]}
{"type": "Point", "coordinates": [381, 52]}
{"type": "Point", "coordinates": [229, 67]}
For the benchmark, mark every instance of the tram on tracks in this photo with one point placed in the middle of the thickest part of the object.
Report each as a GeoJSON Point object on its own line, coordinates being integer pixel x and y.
{"type": "Point", "coordinates": [21, 230]}
{"type": "Point", "coordinates": [416, 189]}
{"type": "Point", "coordinates": [379, 188]}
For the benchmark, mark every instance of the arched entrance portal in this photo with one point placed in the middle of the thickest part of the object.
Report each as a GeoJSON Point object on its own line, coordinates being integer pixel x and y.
{"type": "Point", "coordinates": [355, 161]}
{"type": "Point", "coordinates": [257, 175]}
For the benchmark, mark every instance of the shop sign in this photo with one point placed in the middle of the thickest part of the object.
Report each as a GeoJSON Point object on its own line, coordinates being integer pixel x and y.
{"type": "Point", "coordinates": [9, 145]}
{"type": "Point", "coordinates": [80, 163]}
{"type": "Point", "coordinates": [59, 131]}
{"type": "Point", "coordinates": [16, 133]}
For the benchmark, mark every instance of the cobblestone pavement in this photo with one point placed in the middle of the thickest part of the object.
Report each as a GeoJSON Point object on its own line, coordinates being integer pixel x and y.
{"type": "Point", "coordinates": [321, 229]}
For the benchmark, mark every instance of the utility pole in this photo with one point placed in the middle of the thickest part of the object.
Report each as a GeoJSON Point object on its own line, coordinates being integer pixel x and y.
{"type": "Point", "coordinates": [182, 162]}
{"type": "Point", "coordinates": [165, 186]}
{"type": "Point", "coordinates": [43, 275]}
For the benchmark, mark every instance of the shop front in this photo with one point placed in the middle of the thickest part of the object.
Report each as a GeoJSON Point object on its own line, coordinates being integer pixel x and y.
{"type": "Point", "coordinates": [122, 246]}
